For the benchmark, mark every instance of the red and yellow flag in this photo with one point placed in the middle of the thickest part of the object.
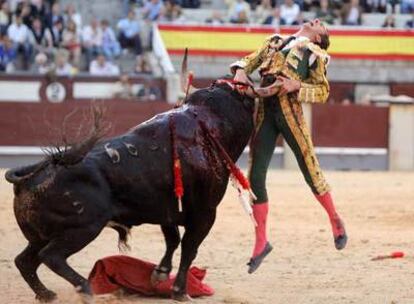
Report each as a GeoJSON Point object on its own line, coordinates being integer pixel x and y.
{"type": "Point", "coordinates": [237, 41]}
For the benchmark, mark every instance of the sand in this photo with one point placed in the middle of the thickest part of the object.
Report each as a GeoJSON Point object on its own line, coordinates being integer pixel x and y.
{"type": "Point", "coordinates": [304, 267]}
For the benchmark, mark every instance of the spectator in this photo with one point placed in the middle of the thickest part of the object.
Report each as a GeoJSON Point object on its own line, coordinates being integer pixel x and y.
{"type": "Point", "coordinates": [149, 93]}
{"type": "Point", "coordinates": [375, 6]}
{"type": "Point", "coordinates": [171, 12]}
{"type": "Point", "coordinates": [72, 15]}
{"type": "Point", "coordinates": [63, 67]}
{"type": "Point", "coordinates": [123, 88]}
{"type": "Point", "coordinates": [42, 65]}
{"type": "Point", "coordinates": [57, 33]}
{"type": "Point", "coordinates": [215, 19]}
{"type": "Point", "coordinates": [39, 8]}
{"type": "Point", "coordinates": [410, 23]}
{"type": "Point", "coordinates": [92, 40]}
{"type": "Point", "coordinates": [263, 11]}
{"type": "Point", "coordinates": [325, 13]}
{"type": "Point", "coordinates": [101, 67]}
{"type": "Point", "coordinates": [307, 5]}
{"type": "Point", "coordinates": [129, 33]}
{"type": "Point", "coordinates": [7, 54]}
{"type": "Point", "coordinates": [239, 12]}
{"type": "Point", "coordinates": [274, 19]}
{"type": "Point", "coordinates": [190, 3]}
{"type": "Point", "coordinates": [407, 6]}
{"type": "Point", "coordinates": [142, 65]}
{"type": "Point", "coordinates": [389, 22]}
{"type": "Point", "coordinates": [19, 34]}
{"type": "Point", "coordinates": [393, 6]}
{"type": "Point", "coordinates": [55, 16]}
{"type": "Point", "coordinates": [6, 17]}
{"type": "Point", "coordinates": [27, 11]}
{"type": "Point", "coordinates": [41, 37]}
{"type": "Point", "coordinates": [71, 42]}
{"type": "Point", "coordinates": [336, 4]}
{"type": "Point", "coordinates": [110, 45]}
{"type": "Point", "coordinates": [152, 10]}
{"type": "Point", "coordinates": [290, 11]}
{"type": "Point", "coordinates": [351, 13]}
{"type": "Point", "coordinates": [13, 4]}
{"type": "Point", "coordinates": [242, 18]}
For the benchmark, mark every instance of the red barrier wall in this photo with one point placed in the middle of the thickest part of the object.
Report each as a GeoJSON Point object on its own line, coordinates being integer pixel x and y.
{"type": "Point", "coordinates": [350, 126]}
{"type": "Point", "coordinates": [41, 124]}
{"type": "Point", "coordinates": [402, 89]}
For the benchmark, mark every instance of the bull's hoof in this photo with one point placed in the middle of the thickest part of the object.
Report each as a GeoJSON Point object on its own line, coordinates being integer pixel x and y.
{"type": "Point", "coordinates": [340, 241]}
{"type": "Point", "coordinates": [180, 297]}
{"type": "Point", "coordinates": [158, 275]}
{"type": "Point", "coordinates": [46, 297]}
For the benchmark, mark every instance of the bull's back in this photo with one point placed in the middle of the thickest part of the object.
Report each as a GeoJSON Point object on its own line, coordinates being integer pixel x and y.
{"type": "Point", "coordinates": [141, 178]}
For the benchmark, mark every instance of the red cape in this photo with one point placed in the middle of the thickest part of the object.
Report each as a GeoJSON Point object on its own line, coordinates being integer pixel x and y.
{"type": "Point", "coordinates": [114, 272]}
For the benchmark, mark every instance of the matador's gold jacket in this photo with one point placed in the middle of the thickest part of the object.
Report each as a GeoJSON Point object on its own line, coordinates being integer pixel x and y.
{"type": "Point", "coordinates": [300, 60]}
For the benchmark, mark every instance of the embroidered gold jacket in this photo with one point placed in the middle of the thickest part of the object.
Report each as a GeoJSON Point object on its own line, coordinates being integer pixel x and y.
{"type": "Point", "coordinates": [304, 61]}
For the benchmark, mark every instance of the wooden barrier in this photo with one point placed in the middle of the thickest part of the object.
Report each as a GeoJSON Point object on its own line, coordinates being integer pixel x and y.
{"type": "Point", "coordinates": [41, 124]}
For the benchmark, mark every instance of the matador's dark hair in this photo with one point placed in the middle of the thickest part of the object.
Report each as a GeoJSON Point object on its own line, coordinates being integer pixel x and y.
{"type": "Point", "coordinates": [325, 42]}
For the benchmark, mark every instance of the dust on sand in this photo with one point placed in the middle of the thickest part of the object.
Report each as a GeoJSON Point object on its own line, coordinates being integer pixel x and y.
{"type": "Point", "coordinates": [304, 267]}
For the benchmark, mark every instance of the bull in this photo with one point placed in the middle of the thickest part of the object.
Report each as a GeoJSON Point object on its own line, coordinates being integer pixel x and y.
{"type": "Point", "coordinates": [63, 202]}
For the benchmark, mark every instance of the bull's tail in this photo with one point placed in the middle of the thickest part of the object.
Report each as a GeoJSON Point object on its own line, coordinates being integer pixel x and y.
{"type": "Point", "coordinates": [123, 233]}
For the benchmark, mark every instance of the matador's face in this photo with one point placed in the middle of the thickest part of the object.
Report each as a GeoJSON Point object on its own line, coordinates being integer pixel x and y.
{"type": "Point", "coordinates": [316, 28]}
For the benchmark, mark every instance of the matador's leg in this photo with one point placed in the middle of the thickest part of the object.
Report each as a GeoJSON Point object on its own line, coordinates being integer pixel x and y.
{"type": "Point", "coordinates": [261, 152]}
{"type": "Point", "coordinates": [295, 131]}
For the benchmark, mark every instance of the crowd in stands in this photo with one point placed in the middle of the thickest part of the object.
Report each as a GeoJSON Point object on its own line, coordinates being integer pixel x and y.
{"type": "Point", "coordinates": [42, 36]}
{"type": "Point", "coordinates": [290, 12]}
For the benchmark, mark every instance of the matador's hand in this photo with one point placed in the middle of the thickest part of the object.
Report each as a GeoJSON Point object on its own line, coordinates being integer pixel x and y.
{"type": "Point", "coordinates": [288, 85]}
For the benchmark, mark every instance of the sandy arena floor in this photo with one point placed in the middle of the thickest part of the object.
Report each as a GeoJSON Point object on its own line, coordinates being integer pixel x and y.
{"type": "Point", "coordinates": [304, 267]}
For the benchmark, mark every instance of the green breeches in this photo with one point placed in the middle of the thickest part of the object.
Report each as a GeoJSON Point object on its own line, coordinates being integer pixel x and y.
{"type": "Point", "coordinates": [282, 117]}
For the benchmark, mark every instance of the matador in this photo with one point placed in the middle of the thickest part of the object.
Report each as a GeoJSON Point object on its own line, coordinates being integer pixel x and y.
{"type": "Point", "coordinates": [298, 63]}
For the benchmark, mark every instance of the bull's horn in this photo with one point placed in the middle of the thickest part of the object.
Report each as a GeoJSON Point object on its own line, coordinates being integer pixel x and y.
{"type": "Point", "coordinates": [20, 174]}
{"type": "Point", "coordinates": [186, 77]}
{"type": "Point", "coordinates": [184, 71]}
{"type": "Point", "coordinates": [268, 91]}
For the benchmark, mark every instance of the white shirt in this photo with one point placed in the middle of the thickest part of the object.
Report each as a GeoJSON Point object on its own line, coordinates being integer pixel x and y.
{"type": "Point", "coordinates": [108, 69]}
{"type": "Point", "coordinates": [18, 34]}
{"type": "Point", "coordinates": [303, 39]}
{"type": "Point", "coordinates": [77, 18]}
{"type": "Point", "coordinates": [238, 7]}
{"type": "Point", "coordinates": [91, 36]}
{"type": "Point", "coordinates": [289, 13]}
{"type": "Point", "coordinates": [353, 16]}
{"type": "Point", "coordinates": [65, 70]}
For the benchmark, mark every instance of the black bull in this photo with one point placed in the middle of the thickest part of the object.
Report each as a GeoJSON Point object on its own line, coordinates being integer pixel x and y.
{"type": "Point", "coordinates": [61, 207]}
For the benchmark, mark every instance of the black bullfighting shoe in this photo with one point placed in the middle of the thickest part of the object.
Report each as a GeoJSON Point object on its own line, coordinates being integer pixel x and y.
{"type": "Point", "coordinates": [255, 262]}
{"type": "Point", "coordinates": [341, 239]}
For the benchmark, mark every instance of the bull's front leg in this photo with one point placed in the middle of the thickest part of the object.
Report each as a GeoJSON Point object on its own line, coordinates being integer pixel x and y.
{"type": "Point", "coordinates": [195, 232]}
{"type": "Point", "coordinates": [172, 240]}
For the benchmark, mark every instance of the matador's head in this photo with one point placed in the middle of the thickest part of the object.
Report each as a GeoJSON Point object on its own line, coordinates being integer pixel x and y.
{"type": "Point", "coordinates": [317, 33]}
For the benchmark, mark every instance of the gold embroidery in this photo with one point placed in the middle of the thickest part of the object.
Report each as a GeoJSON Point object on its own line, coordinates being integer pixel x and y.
{"type": "Point", "coordinates": [302, 136]}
